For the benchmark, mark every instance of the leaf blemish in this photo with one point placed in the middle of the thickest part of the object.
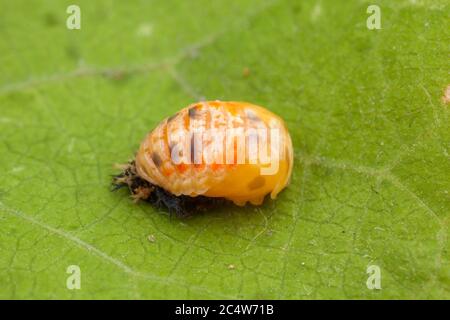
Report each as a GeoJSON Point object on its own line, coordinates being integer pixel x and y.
{"type": "Point", "coordinates": [446, 96]}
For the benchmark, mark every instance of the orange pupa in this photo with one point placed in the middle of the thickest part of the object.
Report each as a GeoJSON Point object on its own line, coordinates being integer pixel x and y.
{"type": "Point", "coordinates": [209, 152]}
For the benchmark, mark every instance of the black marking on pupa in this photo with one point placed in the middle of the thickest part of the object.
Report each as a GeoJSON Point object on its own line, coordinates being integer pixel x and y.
{"type": "Point", "coordinates": [182, 206]}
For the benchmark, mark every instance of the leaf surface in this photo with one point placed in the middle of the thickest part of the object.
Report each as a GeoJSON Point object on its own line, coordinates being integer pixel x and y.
{"type": "Point", "coordinates": [371, 180]}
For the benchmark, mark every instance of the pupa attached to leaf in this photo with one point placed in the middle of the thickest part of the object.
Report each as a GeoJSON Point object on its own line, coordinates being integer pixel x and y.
{"type": "Point", "coordinates": [209, 153]}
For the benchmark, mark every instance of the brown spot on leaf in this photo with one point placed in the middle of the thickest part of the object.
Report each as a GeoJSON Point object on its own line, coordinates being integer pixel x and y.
{"type": "Point", "coordinates": [446, 96]}
{"type": "Point", "coordinates": [257, 183]}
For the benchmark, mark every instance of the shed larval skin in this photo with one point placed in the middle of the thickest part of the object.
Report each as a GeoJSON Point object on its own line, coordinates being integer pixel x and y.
{"type": "Point", "coordinates": [240, 181]}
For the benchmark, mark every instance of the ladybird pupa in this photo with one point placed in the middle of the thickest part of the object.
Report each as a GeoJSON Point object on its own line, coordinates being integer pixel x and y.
{"type": "Point", "coordinates": [209, 152]}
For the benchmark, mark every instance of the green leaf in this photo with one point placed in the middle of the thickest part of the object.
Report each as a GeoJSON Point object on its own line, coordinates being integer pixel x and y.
{"type": "Point", "coordinates": [371, 180]}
